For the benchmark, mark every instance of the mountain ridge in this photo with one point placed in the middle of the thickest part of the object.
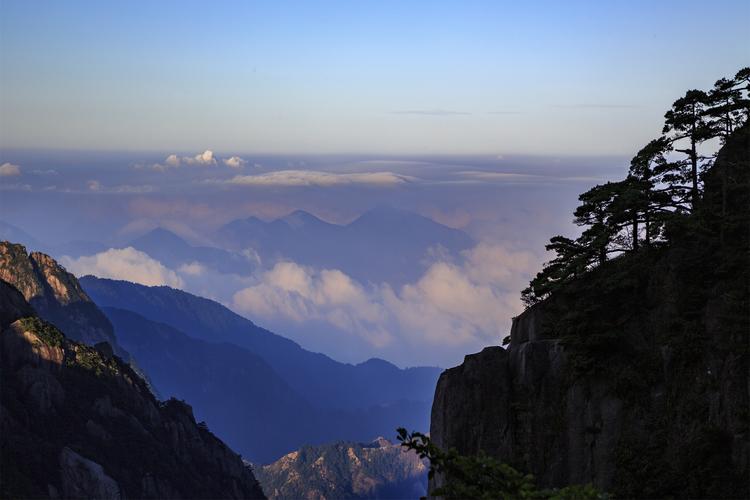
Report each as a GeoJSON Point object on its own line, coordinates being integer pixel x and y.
{"type": "Point", "coordinates": [383, 244]}
{"type": "Point", "coordinates": [378, 469]}
{"type": "Point", "coordinates": [339, 401]}
{"type": "Point", "coordinates": [77, 422]}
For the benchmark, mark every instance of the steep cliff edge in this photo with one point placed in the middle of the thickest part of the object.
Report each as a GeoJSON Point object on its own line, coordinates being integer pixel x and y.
{"type": "Point", "coordinates": [55, 294]}
{"type": "Point", "coordinates": [634, 377]}
{"type": "Point", "coordinates": [77, 422]}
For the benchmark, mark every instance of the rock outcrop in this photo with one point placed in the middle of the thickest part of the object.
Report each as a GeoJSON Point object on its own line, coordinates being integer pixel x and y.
{"type": "Point", "coordinates": [379, 469]}
{"type": "Point", "coordinates": [77, 422]}
{"type": "Point", "coordinates": [634, 377]}
{"type": "Point", "coordinates": [55, 294]}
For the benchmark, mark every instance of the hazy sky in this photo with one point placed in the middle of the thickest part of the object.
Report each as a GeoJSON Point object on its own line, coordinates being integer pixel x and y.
{"type": "Point", "coordinates": [379, 77]}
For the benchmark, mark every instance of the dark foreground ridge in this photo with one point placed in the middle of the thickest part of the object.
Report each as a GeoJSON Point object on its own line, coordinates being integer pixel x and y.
{"type": "Point", "coordinates": [634, 375]}
{"type": "Point", "coordinates": [77, 422]}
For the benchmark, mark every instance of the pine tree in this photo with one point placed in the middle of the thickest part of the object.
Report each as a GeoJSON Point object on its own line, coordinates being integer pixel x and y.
{"type": "Point", "coordinates": [686, 121]}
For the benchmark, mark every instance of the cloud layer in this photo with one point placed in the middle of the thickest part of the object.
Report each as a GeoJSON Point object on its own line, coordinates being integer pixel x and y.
{"type": "Point", "coordinates": [451, 308]}
{"type": "Point", "coordinates": [124, 264]}
{"type": "Point", "coordinates": [320, 179]}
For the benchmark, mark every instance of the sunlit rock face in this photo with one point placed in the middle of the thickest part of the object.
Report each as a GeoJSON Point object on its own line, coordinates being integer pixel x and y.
{"type": "Point", "coordinates": [379, 469]}
{"type": "Point", "coordinates": [56, 295]}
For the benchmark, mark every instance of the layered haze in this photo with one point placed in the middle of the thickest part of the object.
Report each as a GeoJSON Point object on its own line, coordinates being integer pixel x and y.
{"type": "Point", "coordinates": [412, 259]}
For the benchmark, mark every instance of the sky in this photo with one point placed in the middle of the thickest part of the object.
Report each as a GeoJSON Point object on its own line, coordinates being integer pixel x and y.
{"type": "Point", "coordinates": [356, 77]}
{"type": "Point", "coordinates": [486, 117]}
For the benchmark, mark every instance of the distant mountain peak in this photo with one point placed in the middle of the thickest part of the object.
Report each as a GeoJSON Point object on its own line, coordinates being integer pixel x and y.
{"type": "Point", "coordinates": [162, 234]}
{"type": "Point", "coordinates": [378, 362]}
{"type": "Point", "coordinates": [300, 218]}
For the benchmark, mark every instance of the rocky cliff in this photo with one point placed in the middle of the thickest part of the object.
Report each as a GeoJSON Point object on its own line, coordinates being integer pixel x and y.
{"type": "Point", "coordinates": [634, 377]}
{"type": "Point", "coordinates": [77, 422]}
{"type": "Point", "coordinates": [379, 469]}
{"type": "Point", "coordinates": [55, 294]}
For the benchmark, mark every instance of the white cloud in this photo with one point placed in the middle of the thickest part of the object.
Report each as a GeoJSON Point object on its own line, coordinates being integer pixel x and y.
{"type": "Point", "coordinates": [234, 162]}
{"type": "Point", "coordinates": [205, 158]}
{"type": "Point", "coordinates": [320, 179]}
{"type": "Point", "coordinates": [192, 269]}
{"type": "Point", "coordinates": [124, 264]}
{"type": "Point", "coordinates": [300, 294]}
{"type": "Point", "coordinates": [172, 161]}
{"type": "Point", "coordinates": [9, 170]}
{"type": "Point", "coordinates": [453, 305]}
{"type": "Point", "coordinates": [94, 185]}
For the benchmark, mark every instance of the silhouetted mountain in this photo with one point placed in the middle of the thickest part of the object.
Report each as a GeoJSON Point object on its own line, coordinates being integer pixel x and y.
{"type": "Point", "coordinates": [315, 399]}
{"type": "Point", "coordinates": [235, 391]}
{"type": "Point", "coordinates": [173, 252]}
{"type": "Point", "coordinates": [346, 470]}
{"type": "Point", "coordinates": [633, 375]}
{"type": "Point", "coordinates": [383, 245]}
{"type": "Point", "coordinates": [77, 422]}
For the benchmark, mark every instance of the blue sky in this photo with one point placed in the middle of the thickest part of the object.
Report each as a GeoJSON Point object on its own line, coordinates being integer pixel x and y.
{"type": "Point", "coordinates": [357, 77]}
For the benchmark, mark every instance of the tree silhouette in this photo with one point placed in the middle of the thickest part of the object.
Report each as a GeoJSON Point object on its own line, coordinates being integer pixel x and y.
{"type": "Point", "coordinates": [686, 121]}
{"type": "Point", "coordinates": [658, 189]}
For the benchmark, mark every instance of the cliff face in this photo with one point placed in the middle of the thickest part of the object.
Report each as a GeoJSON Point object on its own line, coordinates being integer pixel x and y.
{"type": "Point", "coordinates": [380, 469]}
{"type": "Point", "coordinates": [77, 422]}
{"type": "Point", "coordinates": [55, 294]}
{"type": "Point", "coordinates": [634, 377]}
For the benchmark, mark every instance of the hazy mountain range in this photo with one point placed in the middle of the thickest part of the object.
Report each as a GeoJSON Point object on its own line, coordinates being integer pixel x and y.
{"type": "Point", "coordinates": [199, 350]}
{"type": "Point", "coordinates": [382, 245]}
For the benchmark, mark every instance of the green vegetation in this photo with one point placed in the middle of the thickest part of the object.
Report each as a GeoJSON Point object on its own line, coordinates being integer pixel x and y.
{"type": "Point", "coordinates": [90, 359]}
{"type": "Point", "coordinates": [663, 188]}
{"type": "Point", "coordinates": [483, 477]}
{"type": "Point", "coordinates": [46, 332]}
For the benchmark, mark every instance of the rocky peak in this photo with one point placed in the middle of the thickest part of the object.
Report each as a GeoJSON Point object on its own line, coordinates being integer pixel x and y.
{"type": "Point", "coordinates": [56, 295]}
{"type": "Point", "coordinates": [77, 422]}
{"type": "Point", "coordinates": [17, 269]}
{"type": "Point", "coordinates": [38, 276]}
{"type": "Point", "coordinates": [64, 286]}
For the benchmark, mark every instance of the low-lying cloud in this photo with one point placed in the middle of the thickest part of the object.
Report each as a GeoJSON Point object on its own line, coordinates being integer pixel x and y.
{"type": "Point", "coordinates": [9, 170]}
{"type": "Point", "coordinates": [290, 178]}
{"type": "Point", "coordinates": [173, 161]}
{"type": "Point", "coordinates": [452, 307]}
{"type": "Point", "coordinates": [124, 264]}
{"type": "Point", "coordinates": [234, 162]}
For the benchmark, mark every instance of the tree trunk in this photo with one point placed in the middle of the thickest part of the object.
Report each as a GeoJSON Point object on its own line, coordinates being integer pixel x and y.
{"type": "Point", "coordinates": [694, 172]}
{"type": "Point", "coordinates": [635, 230]}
